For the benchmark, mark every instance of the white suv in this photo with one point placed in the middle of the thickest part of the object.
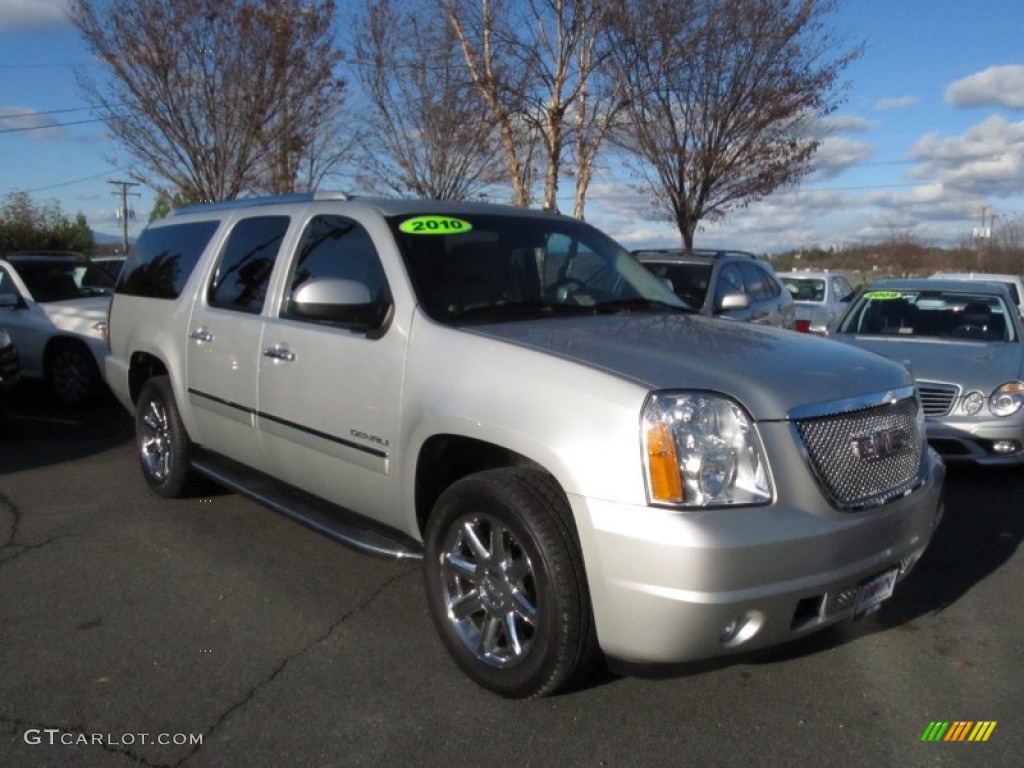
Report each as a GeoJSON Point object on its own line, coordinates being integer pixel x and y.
{"type": "Point", "coordinates": [582, 462]}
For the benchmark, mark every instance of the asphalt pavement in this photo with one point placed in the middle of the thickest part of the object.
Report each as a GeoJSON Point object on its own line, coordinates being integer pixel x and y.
{"type": "Point", "coordinates": [212, 632]}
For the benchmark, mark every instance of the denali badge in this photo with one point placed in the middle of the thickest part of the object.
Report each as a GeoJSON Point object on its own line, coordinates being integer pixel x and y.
{"type": "Point", "coordinates": [880, 444]}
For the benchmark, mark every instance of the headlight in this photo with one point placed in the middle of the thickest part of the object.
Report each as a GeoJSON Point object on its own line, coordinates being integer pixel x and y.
{"type": "Point", "coordinates": [5, 339]}
{"type": "Point", "coordinates": [1008, 399]}
{"type": "Point", "coordinates": [701, 450]}
{"type": "Point", "coordinates": [972, 403]}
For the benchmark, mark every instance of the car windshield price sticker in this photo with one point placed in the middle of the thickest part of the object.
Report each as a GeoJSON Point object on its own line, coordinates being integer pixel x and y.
{"type": "Point", "coordinates": [434, 225]}
{"type": "Point", "coordinates": [883, 295]}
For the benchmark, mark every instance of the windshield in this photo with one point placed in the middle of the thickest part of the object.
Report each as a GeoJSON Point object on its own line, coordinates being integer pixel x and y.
{"type": "Point", "coordinates": [59, 279]}
{"type": "Point", "coordinates": [482, 268]}
{"type": "Point", "coordinates": [942, 314]}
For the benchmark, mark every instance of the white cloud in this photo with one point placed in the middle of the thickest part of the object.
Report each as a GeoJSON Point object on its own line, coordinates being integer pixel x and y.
{"type": "Point", "coordinates": [845, 124]}
{"type": "Point", "coordinates": [987, 160]}
{"type": "Point", "coordinates": [21, 15]}
{"type": "Point", "coordinates": [30, 124]}
{"type": "Point", "coordinates": [1001, 86]}
{"type": "Point", "coordinates": [836, 154]}
{"type": "Point", "coordinates": [898, 102]}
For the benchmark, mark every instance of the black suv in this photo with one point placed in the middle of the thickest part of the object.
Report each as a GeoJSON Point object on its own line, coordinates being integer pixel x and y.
{"type": "Point", "coordinates": [732, 284]}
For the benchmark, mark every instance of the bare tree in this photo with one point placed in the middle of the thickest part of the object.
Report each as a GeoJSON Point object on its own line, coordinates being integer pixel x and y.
{"type": "Point", "coordinates": [213, 97]}
{"type": "Point", "coordinates": [534, 63]}
{"type": "Point", "coordinates": [723, 94]}
{"type": "Point", "coordinates": [427, 132]}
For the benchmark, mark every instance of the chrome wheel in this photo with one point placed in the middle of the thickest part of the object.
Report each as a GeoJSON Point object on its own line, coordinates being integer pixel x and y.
{"type": "Point", "coordinates": [505, 582]}
{"type": "Point", "coordinates": [165, 450]}
{"type": "Point", "coordinates": [155, 443]}
{"type": "Point", "coordinates": [489, 590]}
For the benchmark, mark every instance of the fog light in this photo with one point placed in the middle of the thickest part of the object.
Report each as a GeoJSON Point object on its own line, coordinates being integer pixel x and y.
{"type": "Point", "coordinates": [742, 628]}
{"type": "Point", "coordinates": [1005, 446]}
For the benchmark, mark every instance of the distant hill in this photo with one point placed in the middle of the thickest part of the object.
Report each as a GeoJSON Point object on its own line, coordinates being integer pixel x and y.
{"type": "Point", "coordinates": [103, 238]}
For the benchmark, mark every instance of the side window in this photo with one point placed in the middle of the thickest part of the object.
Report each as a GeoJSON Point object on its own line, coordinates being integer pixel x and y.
{"type": "Point", "coordinates": [163, 258]}
{"type": "Point", "coordinates": [243, 272]}
{"type": "Point", "coordinates": [841, 288]}
{"type": "Point", "coordinates": [758, 283]}
{"type": "Point", "coordinates": [729, 281]}
{"type": "Point", "coordinates": [337, 248]}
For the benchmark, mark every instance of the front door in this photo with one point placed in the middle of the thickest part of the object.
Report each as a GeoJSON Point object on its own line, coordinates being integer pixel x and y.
{"type": "Point", "coordinates": [329, 397]}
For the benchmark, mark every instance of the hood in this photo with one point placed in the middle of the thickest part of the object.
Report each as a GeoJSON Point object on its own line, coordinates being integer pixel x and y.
{"type": "Point", "coordinates": [972, 365]}
{"type": "Point", "coordinates": [77, 315]}
{"type": "Point", "coordinates": [770, 371]}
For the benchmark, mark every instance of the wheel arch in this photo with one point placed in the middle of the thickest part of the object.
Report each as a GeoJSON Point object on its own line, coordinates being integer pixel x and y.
{"type": "Point", "coordinates": [443, 459]}
{"type": "Point", "coordinates": [142, 368]}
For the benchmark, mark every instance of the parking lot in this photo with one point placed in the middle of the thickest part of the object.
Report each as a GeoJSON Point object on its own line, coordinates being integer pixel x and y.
{"type": "Point", "coordinates": [133, 628]}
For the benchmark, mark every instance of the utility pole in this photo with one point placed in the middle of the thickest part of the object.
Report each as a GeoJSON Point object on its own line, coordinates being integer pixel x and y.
{"type": "Point", "coordinates": [122, 212]}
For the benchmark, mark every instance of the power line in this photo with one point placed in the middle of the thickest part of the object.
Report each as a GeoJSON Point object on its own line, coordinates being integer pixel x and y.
{"type": "Point", "coordinates": [60, 125]}
{"type": "Point", "coordinates": [56, 111]}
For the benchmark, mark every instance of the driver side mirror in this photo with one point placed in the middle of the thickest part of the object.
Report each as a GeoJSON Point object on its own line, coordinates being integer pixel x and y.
{"type": "Point", "coordinates": [733, 301]}
{"type": "Point", "coordinates": [344, 303]}
{"type": "Point", "coordinates": [9, 301]}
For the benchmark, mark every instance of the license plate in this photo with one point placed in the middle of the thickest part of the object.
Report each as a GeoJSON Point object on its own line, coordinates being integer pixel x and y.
{"type": "Point", "coordinates": [873, 591]}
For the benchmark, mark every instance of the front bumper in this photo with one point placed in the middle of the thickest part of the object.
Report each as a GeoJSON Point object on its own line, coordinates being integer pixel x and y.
{"type": "Point", "coordinates": [973, 441]}
{"type": "Point", "coordinates": [670, 586]}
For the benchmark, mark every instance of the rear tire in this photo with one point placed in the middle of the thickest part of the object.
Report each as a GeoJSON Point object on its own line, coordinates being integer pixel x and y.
{"type": "Point", "coordinates": [505, 583]}
{"type": "Point", "coordinates": [164, 447]}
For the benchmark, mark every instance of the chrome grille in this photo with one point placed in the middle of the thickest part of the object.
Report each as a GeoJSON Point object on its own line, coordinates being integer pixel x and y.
{"type": "Point", "coordinates": [868, 456]}
{"type": "Point", "coordinates": [936, 399]}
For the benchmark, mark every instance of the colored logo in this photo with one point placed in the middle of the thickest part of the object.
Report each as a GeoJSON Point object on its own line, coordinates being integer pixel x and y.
{"type": "Point", "coordinates": [959, 730]}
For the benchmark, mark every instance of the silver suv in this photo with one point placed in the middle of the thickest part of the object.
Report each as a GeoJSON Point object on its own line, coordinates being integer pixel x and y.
{"type": "Point", "coordinates": [732, 284]}
{"type": "Point", "coordinates": [583, 463]}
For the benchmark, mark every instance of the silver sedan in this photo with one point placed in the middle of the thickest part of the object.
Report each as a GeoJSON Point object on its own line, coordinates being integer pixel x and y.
{"type": "Point", "coordinates": [962, 341]}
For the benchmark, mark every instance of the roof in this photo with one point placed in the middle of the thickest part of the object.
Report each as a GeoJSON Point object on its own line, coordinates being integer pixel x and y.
{"type": "Point", "coordinates": [700, 256]}
{"type": "Point", "coordinates": [933, 284]}
{"type": "Point", "coordinates": [25, 257]}
{"type": "Point", "coordinates": [383, 206]}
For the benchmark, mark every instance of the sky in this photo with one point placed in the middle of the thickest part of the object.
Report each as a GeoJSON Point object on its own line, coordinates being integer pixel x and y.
{"type": "Point", "coordinates": [928, 141]}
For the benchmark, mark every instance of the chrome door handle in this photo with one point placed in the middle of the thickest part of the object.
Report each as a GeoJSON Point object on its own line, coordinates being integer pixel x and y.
{"type": "Point", "coordinates": [201, 334]}
{"type": "Point", "coordinates": [278, 352]}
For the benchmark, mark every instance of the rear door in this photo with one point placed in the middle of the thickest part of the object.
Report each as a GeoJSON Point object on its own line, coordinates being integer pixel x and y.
{"type": "Point", "coordinates": [224, 338]}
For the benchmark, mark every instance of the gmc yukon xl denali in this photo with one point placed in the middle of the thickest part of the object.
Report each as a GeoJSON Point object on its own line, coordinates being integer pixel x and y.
{"type": "Point", "coordinates": [585, 466]}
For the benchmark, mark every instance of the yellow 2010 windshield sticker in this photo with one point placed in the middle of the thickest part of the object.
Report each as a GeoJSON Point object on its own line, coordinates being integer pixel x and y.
{"type": "Point", "coordinates": [883, 295]}
{"type": "Point", "coordinates": [434, 225]}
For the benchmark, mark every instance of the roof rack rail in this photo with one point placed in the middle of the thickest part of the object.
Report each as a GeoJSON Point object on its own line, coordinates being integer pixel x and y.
{"type": "Point", "coordinates": [249, 202]}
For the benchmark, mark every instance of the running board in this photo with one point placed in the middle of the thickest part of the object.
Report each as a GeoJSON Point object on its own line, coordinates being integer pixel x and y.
{"type": "Point", "coordinates": [338, 523]}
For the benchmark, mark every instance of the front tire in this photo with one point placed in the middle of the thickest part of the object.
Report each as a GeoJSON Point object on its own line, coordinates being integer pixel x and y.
{"type": "Point", "coordinates": [506, 585]}
{"type": "Point", "coordinates": [72, 372]}
{"type": "Point", "coordinates": [164, 447]}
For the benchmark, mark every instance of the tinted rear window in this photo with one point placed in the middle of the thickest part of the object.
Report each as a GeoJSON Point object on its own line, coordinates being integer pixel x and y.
{"type": "Point", "coordinates": [162, 259]}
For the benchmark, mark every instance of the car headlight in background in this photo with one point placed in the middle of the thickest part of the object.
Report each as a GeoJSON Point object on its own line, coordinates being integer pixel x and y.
{"type": "Point", "coordinates": [1007, 399]}
{"type": "Point", "coordinates": [701, 450]}
{"type": "Point", "coordinates": [5, 339]}
{"type": "Point", "coordinates": [972, 403]}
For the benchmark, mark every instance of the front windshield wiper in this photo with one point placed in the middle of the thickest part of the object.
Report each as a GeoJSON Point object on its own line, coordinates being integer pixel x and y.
{"type": "Point", "coordinates": [628, 305]}
{"type": "Point", "coordinates": [533, 309]}
{"type": "Point", "coordinates": [519, 310]}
